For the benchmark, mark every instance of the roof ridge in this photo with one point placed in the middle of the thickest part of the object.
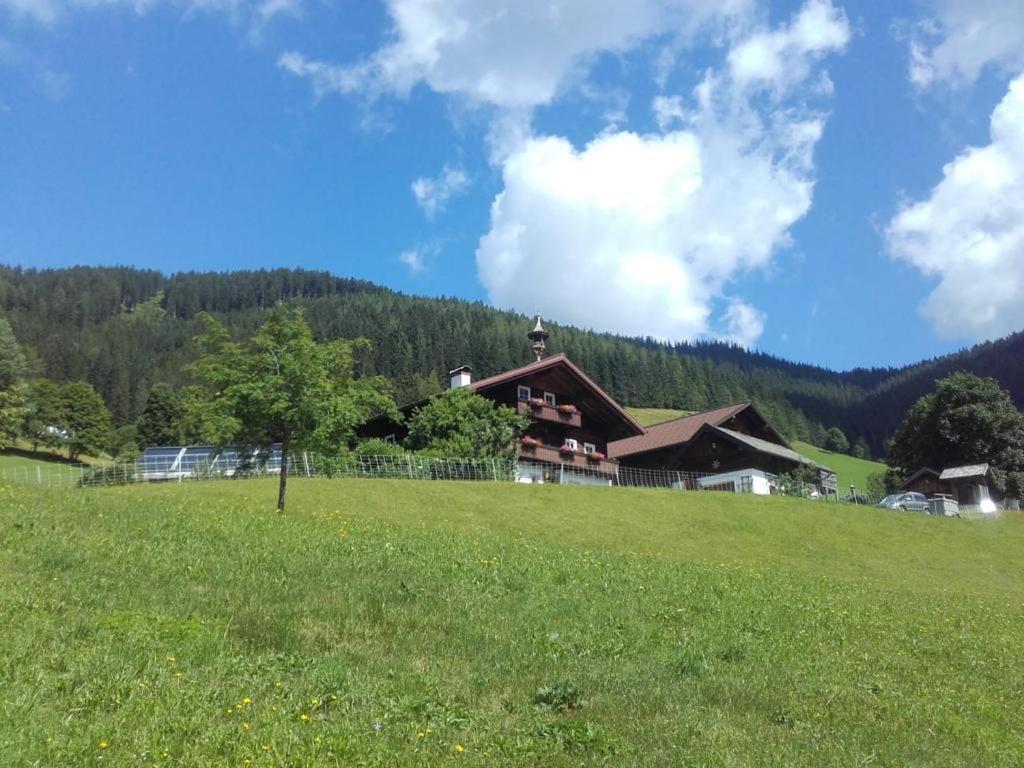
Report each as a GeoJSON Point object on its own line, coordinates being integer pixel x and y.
{"type": "Point", "coordinates": [698, 413]}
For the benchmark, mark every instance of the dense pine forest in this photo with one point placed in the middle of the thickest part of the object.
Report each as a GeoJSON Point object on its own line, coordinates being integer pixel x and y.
{"type": "Point", "coordinates": [124, 330]}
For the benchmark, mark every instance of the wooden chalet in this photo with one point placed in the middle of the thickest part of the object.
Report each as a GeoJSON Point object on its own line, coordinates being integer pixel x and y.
{"type": "Point", "coordinates": [572, 420]}
{"type": "Point", "coordinates": [724, 440]}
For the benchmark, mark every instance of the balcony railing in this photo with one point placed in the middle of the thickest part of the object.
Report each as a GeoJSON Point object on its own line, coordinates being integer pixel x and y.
{"type": "Point", "coordinates": [549, 413]}
{"type": "Point", "coordinates": [577, 460]}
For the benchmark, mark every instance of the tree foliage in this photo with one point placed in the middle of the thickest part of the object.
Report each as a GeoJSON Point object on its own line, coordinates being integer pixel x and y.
{"type": "Point", "coordinates": [461, 423]}
{"type": "Point", "coordinates": [860, 449]}
{"type": "Point", "coordinates": [160, 420]}
{"type": "Point", "coordinates": [836, 441]}
{"type": "Point", "coordinates": [84, 418]}
{"type": "Point", "coordinates": [14, 393]}
{"type": "Point", "coordinates": [123, 442]}
{"type": "Point", "coordinates": [281, 386]}
{"type": "Point", "coordinates": [966, 420]}
{"type": "Point", "coordinates": [44, 415]}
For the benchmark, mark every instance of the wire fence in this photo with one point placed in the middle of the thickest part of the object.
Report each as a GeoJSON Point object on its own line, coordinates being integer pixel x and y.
{"type": "Point", "coordinates": [416, 467]}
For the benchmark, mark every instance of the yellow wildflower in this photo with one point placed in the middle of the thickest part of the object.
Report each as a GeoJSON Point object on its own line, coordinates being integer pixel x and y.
{"type": "Point", "coordinates": [103, 745]}
{"type": "Point", "coordinates": [303, 716]}
{"type": "Point", "coordinates": [459, 748]}
{"type": "Point", "coordinates": [247, 700]}
{"type": "Point", "coordinates": [245, 727]}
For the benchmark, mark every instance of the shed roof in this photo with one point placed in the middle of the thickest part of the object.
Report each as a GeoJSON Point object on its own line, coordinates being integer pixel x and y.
{"type": "Point", "coordinates": [765, 446]}
{"type": "Point", "coordinates": [968, 470]}
{"type": "Point", "coordinates": [920, 472]}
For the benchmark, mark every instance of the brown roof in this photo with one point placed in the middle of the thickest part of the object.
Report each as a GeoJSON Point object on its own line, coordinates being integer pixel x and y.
{"type": "Point", "coordinates": [673, 432]}
{"type": "Point", "coordinates": [631, 424]}
{"type": "Point", "coordinates": [551, 362]}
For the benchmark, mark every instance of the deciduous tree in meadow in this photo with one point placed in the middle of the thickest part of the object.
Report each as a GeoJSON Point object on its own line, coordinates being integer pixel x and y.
{"type": "Point", "coordinates": [462, 423]}
{"type": "Point", "coordinates": [85, 419]}
{"type": "Point", "coordinates": [282, 386]}
{"type": "Point", "coordinates": [966, 420]}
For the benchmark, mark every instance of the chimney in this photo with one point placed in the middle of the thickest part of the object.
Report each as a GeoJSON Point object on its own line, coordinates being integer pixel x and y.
{"type": "Point", "coordinates": [460, 377]}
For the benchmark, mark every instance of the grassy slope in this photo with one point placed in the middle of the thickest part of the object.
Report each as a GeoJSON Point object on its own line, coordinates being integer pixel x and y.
{"type": "Point", "coordinates": [848, 469]}
{"type": "Point", "coordinates": [651, 416]}
{"type": "Point", "coordinates": [187, 624]}
{"type": "Point", "coordinates": [24, 458]}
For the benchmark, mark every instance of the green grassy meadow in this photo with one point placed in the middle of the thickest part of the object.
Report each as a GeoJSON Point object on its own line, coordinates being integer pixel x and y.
{"type": "Point", "coordinates": [847, 468]}
{"type": "Point", "coordinates": [394, 623]}
{"type": "Point", "coordinates": [648, 417]}
{"type": "Point", "coordinates": [22, 457]}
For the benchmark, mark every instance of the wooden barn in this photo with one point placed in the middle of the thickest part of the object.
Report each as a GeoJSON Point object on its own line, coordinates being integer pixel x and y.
{"type": "Point", "coordinates": [720, 441]}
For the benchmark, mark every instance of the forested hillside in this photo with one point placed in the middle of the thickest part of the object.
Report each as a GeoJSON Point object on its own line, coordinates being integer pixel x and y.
{"type": "Point", "coordinates": [124, 329]}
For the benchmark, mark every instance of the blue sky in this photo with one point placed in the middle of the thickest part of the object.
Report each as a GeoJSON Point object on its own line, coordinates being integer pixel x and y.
{"type": "Point", "coordinates": [836, 183]}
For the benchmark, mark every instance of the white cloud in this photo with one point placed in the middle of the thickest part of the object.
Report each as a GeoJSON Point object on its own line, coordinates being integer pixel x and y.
{"type": "Point", "coordinates": [668, 110]}
{"type": "Point", "coordinates": [413, 259]}
{"type": "Point", "coordinates": [969, 233]}
{"type": "Point", "coordinates": [256, 13]}
{"type": "Point", "coordinates": [513, 54]}
{"type": "Point", "coordinates": [744, 324]}
{"type": "Point", "coordinates": [433, 194]}
{"type": "Point", "coordinates": [961, 38]}
{"type": "Point", "coordinates": [52, 83]}
{"type": "Point", "coordinates": [418, 259]}
{"type": "Point", "coordinates": [781, 58]}
{"type": "Point", "coordinates": [325, 78]}
{"type": "Point", "coordinates": [642, 234]}
{"type": "Point", "coordinates": [43, 11]}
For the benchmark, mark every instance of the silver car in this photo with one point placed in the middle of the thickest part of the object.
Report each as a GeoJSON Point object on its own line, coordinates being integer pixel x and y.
{"type": "Point", "coordinates": [913, 502]}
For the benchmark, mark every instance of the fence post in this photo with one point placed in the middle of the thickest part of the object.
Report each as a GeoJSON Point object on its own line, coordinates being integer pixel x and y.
{"type": "Point", "coordinates": [305, 462]}
{"type": "Point", "coordinates": [39, 474]}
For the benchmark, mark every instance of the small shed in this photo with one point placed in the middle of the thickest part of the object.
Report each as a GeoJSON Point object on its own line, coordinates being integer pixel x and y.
{"type": "Point", "coordinates": [968, 484]}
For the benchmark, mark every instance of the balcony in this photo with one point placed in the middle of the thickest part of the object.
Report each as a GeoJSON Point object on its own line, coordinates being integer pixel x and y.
{"type": "Point", "coordinates": [549, 413]}
{"type": "Point", "coordinates": [550, 455]}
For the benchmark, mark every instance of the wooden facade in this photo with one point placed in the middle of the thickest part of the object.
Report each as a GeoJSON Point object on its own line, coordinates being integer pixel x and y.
{"type": "Point", "coordinates": [724, 440]}
{"type": "Point", "coordinates": [926, 481]}
{"type": "Point", "coordinates": [564, 407]}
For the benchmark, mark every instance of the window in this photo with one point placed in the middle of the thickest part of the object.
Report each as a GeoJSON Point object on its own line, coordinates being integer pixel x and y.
{"type": "Point", "coordinates": [549, 398]}
{"type": "Point", "coordinates": [571, 443]}
{"type": "Point", "coordinates": [389, 438]}
{"type": "Point", "coordinates": [523, 392]}
{"type": "Point", "coordinates": [589, 448]}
